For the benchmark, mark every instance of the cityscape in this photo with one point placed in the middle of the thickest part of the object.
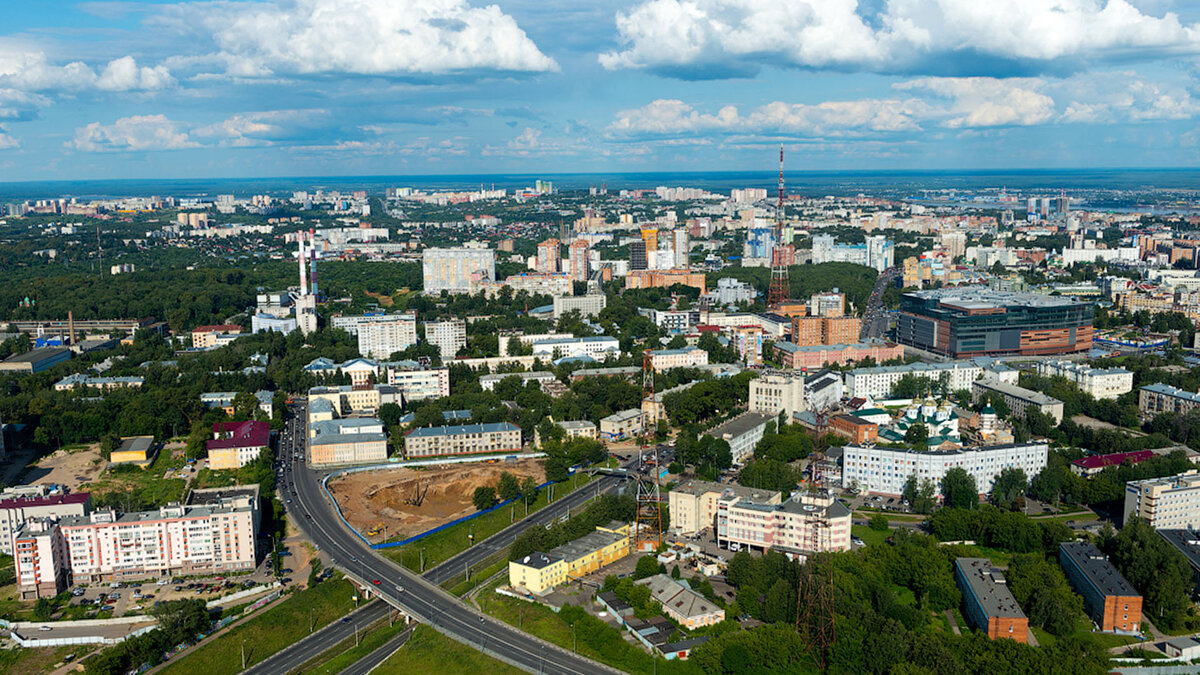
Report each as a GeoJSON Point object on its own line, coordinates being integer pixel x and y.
{"type": "Point", "coordinates": [716, 338]}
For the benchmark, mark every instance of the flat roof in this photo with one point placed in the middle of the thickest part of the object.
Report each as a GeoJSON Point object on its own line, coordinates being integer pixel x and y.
{"type": "Point", "coordinates": [48, 500]}
{"type": "Point", "coordinates": [588, 543]}
{"type": "Point", "coordinates": [37, 355]}
{"type": "Point", "coordinates": [1168, 390]}
{"type": "Point", "coordinates": [1186, 542]}
{"type": "Point", "coordinates": [1016, 392]}
{"type": "Point", "coordinates": [332, 439]}
{"type": "Point", "coordinates": [866, 344]}
{"type": "Point", "coordinates": [986, 298]}
{"type": "Point", "coordinates": [538, 560]}
{"type": "Point", "coordinates": [986, 584]}
{"type": "Point", "coordinates": [739, 425]}
{"type": "Point", "coordinates": [463, 429]}
{"type": "Point", "coordinates": [216, 496]}
{"type": "Point", "coordinates": [1098, 569]}
{"type": "Point", "coordinates": [697, 487]}
{"type": "Point", "coordinates": [136, 444]}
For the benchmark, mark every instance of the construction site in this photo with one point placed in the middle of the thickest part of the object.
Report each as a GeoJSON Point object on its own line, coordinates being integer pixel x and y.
{"type": "Point", "coordinates": [393, 504]}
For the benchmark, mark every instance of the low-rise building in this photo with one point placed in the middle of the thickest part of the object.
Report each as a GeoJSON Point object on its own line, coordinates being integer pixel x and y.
{"type": "Point", "coordinates": [694, 503]}
{"type": "Point", "coordinates": [29, 502]}
{"type": "Point", "coordinates": [858, 430]}
{"type": "Point", "coordinates": [579, 429]}
{"type": "Point", "coordinates": [1110, 600]}
{"type": "Point", "coordinates": [355, 440]}
{"type": "Point", "coordinates": [586, 305]}
{"type": "Point", "coordinates": [1182, 648]}
{"type": "Point", "coordinates": [796, 357]}
{"type": "Point", "coordinates": [686, 357]}
{"type": "Point", "coordinates": [801, 525]}
{"type": "Point", "coordinates": [489, 382]}
{"type": "Point", "coordinates": [236, 444]}
{"type": "Point", "coordinates": [417, 382]}
{"type": "Point", "coordinates": [1159, 398]}
{"type": "Point", "coordinates": [877, 382]}
{"type": "Point", "coordinates": [207, 337]}
{"type": "Point", "coordinates": [685, 606]}
{"type": "Point", "coordinates": [1099, 382]}
{"type": "Point", "coordinates": [1018, 399]}
{"type": "Point", "coordinates": [988, 605]}
{"type": "Point", "coordinates": [81, 380]}
{"type": "Point", "coordinates": [139, 450]}
{"type": "Point", "coordinates": [35, 360]}
{"type": "Point", "coordinates": [599, 347]}
{"type": "Point", "coordinates": [539, 573]}
{"type": "Point", "coordinates": [622, 424]}
{"type": "Point", "coordinates": [885, 470]}
{"type": "Point", "coordinates": [1187, 542]}
{"type": "Point", "coordinates": [1093, 464]}
{"type": "Point", "coordinates": [462, 440]}
{"type": "Point", "coordinates": [348, 399]}
{"type": "Point", "coordinates": [742, 433]}
{"type": "Point", "coordinates": [1168, 503]}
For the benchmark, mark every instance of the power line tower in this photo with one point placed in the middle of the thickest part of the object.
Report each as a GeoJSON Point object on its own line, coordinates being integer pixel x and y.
{"type": "Point", "coordinates": [816, 620]}
{"type": "Point", "coordinates": [780, 254]}
{"type": "Point", "coordinates": [648, 526]}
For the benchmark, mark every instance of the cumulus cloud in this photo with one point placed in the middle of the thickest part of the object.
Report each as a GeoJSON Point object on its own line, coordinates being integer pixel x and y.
{"type": "Point", "coordinates": [263, 127]}
{"type": "Point", "coordinates": [20, 106]}
{"type": "Point", "coordinates": [30, 71]}
{"type": "Point", "coordinates": [715, 38]}
{"type": "Point", "coordinates": [139, 132]}
{"type": "Point", "coordinates": [666, 117]}
{"type": "Point", "coordinates": [987, 101]}
{"type": "Point", "coordinates": [1124, 97]}
{"type": "Point", "coordinates": [7, 142]}
{"type": "Point", "coordinates": [361, 37]}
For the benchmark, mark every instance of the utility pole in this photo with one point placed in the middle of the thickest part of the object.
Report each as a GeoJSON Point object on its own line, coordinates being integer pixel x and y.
{"type": "Point", "coordinates": [243, 654]}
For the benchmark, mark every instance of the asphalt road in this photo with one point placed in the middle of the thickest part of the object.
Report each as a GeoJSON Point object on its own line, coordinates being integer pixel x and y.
{"type": "Point", "coordinates": [416, 596]}
{"type": "Point", "coordinates": [875, 320]}
{"type": "Point", "coordinates": [316, 644]}
{"type": "Point", "coordinates": [369, 662]}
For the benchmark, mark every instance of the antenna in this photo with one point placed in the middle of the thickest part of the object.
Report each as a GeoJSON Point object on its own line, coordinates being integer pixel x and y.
{"type": "Point", "coordinates": [816, 619]}
{"type": "Point", "coordinates": [780, 285]}
{"type": "Point", "coordinates": [648, 526]}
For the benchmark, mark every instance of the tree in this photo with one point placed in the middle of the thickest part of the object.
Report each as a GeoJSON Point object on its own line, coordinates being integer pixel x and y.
{"type": "Point", "coordinates": [1008, 491]}
{"type": "Point", "coordinates": [916, 435]}
{"type": "Point", "coordinates": [108, 443]}
{"type": "Point", "coordinates": [245, 405]}
{"type": "Point", "coordinates": [647, 566]}
{"type": "Point", "coordinates": [508, 487]}
{"type": "Point", "coordinates": [390, 414]}
{"type": "Point", "coordinates": [958, 489]}
{"type": "Point", "coordinates": [529, 489]}
{"type": "Point", "coordinates": [879, 522]}
{"type": "Point", "coordinates": [485, 496]}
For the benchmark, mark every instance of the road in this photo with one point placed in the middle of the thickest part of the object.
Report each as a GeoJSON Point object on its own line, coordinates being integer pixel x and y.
{"type": "Point", "coordinates": [371, 661]}
{"type": "Point", "coordinates": [875, 319]}
{"type": "Point", "coordinates": [401, 588]}
{"type": "Point", "coordinates": [317, 643]}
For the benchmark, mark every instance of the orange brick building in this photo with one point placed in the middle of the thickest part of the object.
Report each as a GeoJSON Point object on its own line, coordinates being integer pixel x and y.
{"type": "Point", "coordinates": [988, 605]}
{"type": "Point", "coordinates": [664, 278]}
{"type": "Point", "coordinates": [809, 331]}
{"type": "Point", "coordinates": [1110, 600]}
{"type": "Point", "coordinates": [857, 429]}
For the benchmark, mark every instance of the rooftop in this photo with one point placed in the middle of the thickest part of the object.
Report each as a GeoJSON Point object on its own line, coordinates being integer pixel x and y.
{"type": "Point", "coordinates": [1097, 568]}
{"type": "Point", "coordinates": [576, 424]}
{"type": "Point", "coordinates": [985, 298]}
{"type": "Point", "coordinates": [36, 355]}
{"type": "Point", "coordinates": [539, 560]}
{"type": "Point", "coordinates": [988, 587]}
{"type": "Point", "coordinates": [240, 435]}
{"type": "Point", "coordinates": [1115, 459]}
{"type": "Point", "coordinates": [1016, 392]}
{"type": "Point", "coordinates": [588, 543]}
{"type": "Point", "coordinates": [698, 487]}
{"type": "Point", "coordinates": [677, 597]}
{"type": "Point", "coordinates": [1168, 390]}
{"type": "Point", "coordinates": [463, 429]}
{"type": "Point", "coordinates": [739, 425]}
{"type": "Point", "coordinates": [48, 500]}
{"type": "Point", "coordinates": [1186, 542]}
{"type": "Point", "coordinates": [795, 348]}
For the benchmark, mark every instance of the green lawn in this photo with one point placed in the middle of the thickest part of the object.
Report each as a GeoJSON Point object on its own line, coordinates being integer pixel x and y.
{"type": "Point", "coordinates": [428, 652]}
{"type": "Point", "coordinates": [461, 587]}
{"type": "Point", "coordinates": [268, 632]}
{"type": "Point", "coordinates": [34, 661]}
{"type": "Point", "coordinates": [347, 653]}
{"type": "Point", "coordinates": [445, 544]}
{"type": "Point", "coordinates": [870, 537]}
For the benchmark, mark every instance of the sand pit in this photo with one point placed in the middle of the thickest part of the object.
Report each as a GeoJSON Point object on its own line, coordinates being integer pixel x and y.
{"type": "Point", "coordinates": [378, 497]}
{"type": "Point", "coordinates": [69, 468]}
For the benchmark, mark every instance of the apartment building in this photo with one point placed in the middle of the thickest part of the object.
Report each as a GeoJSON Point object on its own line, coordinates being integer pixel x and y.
{"type": "Point", "coordinates": [742, 433]}
{"type": "Point", "coordinates": [877, 382]}
{"type": "Point", "coordinates": [885, 470]}
{"type": "Point", "coordinates": [798, 357]}
{"type": "Point", "coordinates": [81, 380]}
{"type": "Point", "coordinates": [1018, 399]}
{"type": "Point", "coordinates": [803, 524]}
{"type": "Point", "coordinates": [381, 336]}
{"type": "Point", "coordinates": [694, 503]}
{"type": "Point", "coordinates": [817, 330]}
{"type": "Point", "coordinates": [28, 502]}
{"type": "Point", "coordinates": [1160, 398]}
{"type": "Point", "coordinates": [40, 556]}
{"type": "Point", "coordinates": [1169, 503]}
{"type": "Point", "coordinates": [416, 382]}
{"type": "Point", "coordinates": [586, 305]}
{"type": "Point", "coordinates": [355, 440]}
{"type": "Point", "coordinates": [673, 320]}
{"type": "Point", "coordinates": [236, 444]}
{"type": "Point", "coordinates": [686, 357]}
{"type": "Point", "coordinates": [599, 348]}
{"type": "Point", "coordinates": [622, 424]}
{"type": "Point", "coordinates": [1108, 597]}
{"type": "Point", "coordinates": [1099, 382]}
{"type": "Point", "coordinates": [988, 605]}
{"type": "Point", "coordinates": [448, 336]}
{"type": "Point", "coordinates": [462, 440]}
{"type": "Point", "coordinates": [207, 337]}
{"type": "Point", "coordinates": [457, 270]}
{"type": "Point", "coordinates": [664, 279]}
{"type": "Point", "coordinates": [489, 382]}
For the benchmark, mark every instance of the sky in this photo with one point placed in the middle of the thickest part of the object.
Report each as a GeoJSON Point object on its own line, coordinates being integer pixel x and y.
{"type": "Point", "coordinates": [234, 89]}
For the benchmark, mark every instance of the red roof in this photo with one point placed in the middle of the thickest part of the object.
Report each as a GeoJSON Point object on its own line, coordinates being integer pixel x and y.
{"type": "Point", "coordinates": [218, 328]}
{"type": "Point", "coordinates": [27, 502]}
{"type": "Point", "coordinates": [240, 435]}
{"type": "Point", "coordinates": [1115, 459]}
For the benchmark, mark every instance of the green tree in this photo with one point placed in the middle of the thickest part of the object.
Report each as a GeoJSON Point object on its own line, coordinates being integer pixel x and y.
{"type": "Point", "coordinates": [879, 522]}
{"type": "Point", "coordinates": [916, 435]}
{"type": "Point", "coordinates": [484, 498]}
{"type": "Point", "coordinates": [109, 443]}
{"type": "Point", "coordinates": [529, 489]}
{"type": "Point", "coordinates": [390, 414]}
{"type": "Point", "coordinates": [647, 566]}
{"type": "Point", "coordinates": [508, 487]}
{"type": "Point", "coordinates": [1008, 490]}
{"type": "Point", "coordinates": [959, 490]}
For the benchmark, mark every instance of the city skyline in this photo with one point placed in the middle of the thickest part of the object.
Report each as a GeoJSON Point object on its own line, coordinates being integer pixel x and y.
{"type": "Point", "coordinates": [92, 90]}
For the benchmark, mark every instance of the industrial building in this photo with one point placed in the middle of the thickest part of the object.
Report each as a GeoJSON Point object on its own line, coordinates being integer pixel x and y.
{"type": "Point", "coordinates": [35, 360]}
{"type": "Point", "coordinates": [988, 605]}
{"type": "Point", "coordinates": [1110, 600]}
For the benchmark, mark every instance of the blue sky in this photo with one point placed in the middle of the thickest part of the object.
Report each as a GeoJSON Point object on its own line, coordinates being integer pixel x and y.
{"type": "Point", "coordinates": [113, 89]}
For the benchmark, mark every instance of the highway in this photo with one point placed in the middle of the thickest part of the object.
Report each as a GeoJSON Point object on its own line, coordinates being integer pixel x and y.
{"type": "Point", "coordinates": [875, 318]}
{"type": "Point", "coordinates": [317, 643]}
{"type": "Point", "coordinates": [406, 590]}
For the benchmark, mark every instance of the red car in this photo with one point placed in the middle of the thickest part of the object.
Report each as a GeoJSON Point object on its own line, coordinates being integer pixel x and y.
{"type": "Point", "coordinates": [375, 581]}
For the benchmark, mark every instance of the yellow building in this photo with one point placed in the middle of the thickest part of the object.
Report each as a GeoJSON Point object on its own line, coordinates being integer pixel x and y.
{"type": "Point", "coordinates": [539, 573]}
{"type": "Point", "coordinates": [134, 450]}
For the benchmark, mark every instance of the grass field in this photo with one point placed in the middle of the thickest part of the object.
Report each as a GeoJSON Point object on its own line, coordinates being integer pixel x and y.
{"type": "Point", "coordinates": [870, 537]}
{"type": "Point", "coordinates": [428, 652]}
{"type": "Point", "coordinates": [268, 632]}
{"type": "Point", "coordinates": [347, 653]}
{"type": "Point", "coordinates": [146, 486]}
{"type": "Point", "coordinates": [34, 661]}
{"type": "Point", "coordinates": [450, 541]}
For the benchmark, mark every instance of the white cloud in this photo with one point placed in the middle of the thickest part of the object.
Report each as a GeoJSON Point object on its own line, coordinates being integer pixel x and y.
{"type": "Point", "coordinates": [363, 37]}
{"type": "Point", "coordinates": [7, 142]}
{"type": "Point", "coordinates": [699, 38]}
{"type": "Point", "coordinates": [263, 127]}
{"type": "Point", "coordinates": [29, 70]}
{"type": "Point", "coordinates": [20, 105]}
{"type": "Point", "coordinates": [139, 132]}
{"type": "Point", "coordinates": [666, 117]}
{"type": "Point", "coordinates": [1124, 97]}
{"type": "Point", "coordinates": [987, 101]}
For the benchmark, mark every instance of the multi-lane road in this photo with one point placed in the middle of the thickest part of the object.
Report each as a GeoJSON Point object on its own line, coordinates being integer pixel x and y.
{"type": "Point", "coordinates": [875, 318]}
{"type": "Point", "coordinates": [417, 596]}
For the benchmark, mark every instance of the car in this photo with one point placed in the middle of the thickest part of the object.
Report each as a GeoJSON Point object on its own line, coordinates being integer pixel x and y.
{"type": "Point", "coordinates": [219, 578]}
{"type": "Point", "coordinates": [345, 619]}
{"type": "Point", "coordinates": [178, 588]}
{"type": "Point", "coordinates": [45, 628]}
{"type": "Point", "coordinates": [108, 608]}
{"type": "Point", "coordinates": [375, 581]}
{"type": "Point", "coordinates": [399, 588]}
{"type": "Point", "coordinates": [162, 582]}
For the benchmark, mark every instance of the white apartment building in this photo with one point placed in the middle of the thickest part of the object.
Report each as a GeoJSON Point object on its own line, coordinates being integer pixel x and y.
{"type": "Point", "coordinates": [687, 357]}
{"type": "Point", "coordinates": [1100, 383]}
{"type": "Point", "coordinates": [586, 305]}
{"type": "Point", "coordinates": [877, 252]}
{"type": "Point", "coordinates": [40, 554]}
{"type": "Point", "coordinates": [805, 523]}
{"type": "Point", "coordinates": [742, 433]}
{"type": "Point", "coordinates": [885, 470]}
{"type": "Point", "coordinates": [1018, 399]}
{"type": "Point", "coordinates": [448, 336]}
{"type": "Point", "coordinates": [462, 440]}
{"type": "Point", "coordinates": [1169, 503]}
{"type": "Point", "coordinates": [457, 270]}
{"type": "Point", "coordinates": [26, 502]}
{"type": "Point", "coordinates": [776, 392]}
{"type": "Point", "coordinates": [351, 322]}
{"type": "Point", "coordinates": [599, 348]}
{"type": "Point", "coordinates": [416, 382]}
{"type": "Point", "coordinates": [489, 382]}
{"type": "Point", "coordinates": [382, 336]}
{"type": "Point", "coordinates": [877, 382]}
{"type": "Point", "coordinates": [357, 440]}
{"type": "Point", "coordinates": [693, 503]}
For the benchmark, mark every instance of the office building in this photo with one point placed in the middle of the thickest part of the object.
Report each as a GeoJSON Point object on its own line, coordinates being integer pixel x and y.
{"type": "Point", "coordinates": [775, 392]}
{"type": "Point", "coordinates": [539, 573]}
{"type": "Point", "coordinates": [548, 255]}
{"type": "Point", "coordinates": [856, 429]}
{"type": "Point", "coordinates": [729, 291]}
{"type": "Point", "coordinates": [621, 425]}
{"type": "Point", "coordinates": [885, 470]}
{"type": "Point", "coordinates": [967, 322]}
{"type": "Point", "coordinates": [694, 503]}
{"type": "Point", "coordinates": [26, 502]}
{"type": "Point", "coordinates": [598, 348]}
{"type": "Point", "coordinates": [1018, 399]}
{"type": "Point", "coordinates": [681, 246]}
{"type": "Point", "coordinates": [804, 524]}
{"type": "Point", "coordinates": [462, 440]}
{"type": "Point", "coordinates": [1108, 597]}
{"type": "Point", "coordinates": [1099, 382]}
{"type": "Point", "coordinates": [35, 360]}
{"type": "Point", "coordinates": [262, 323]}
{"type": "Point", "coordinates": [580, 267]}
{"type": "Point", "coordinates": [673, 320]}
{"type": "Point", "coordinates": [822, 390]}
{"type": "Point", "coordinates": [1159, 398]}
{"type": "Point", "coordinates": [349, 398]}
{"type": "Point", "coordinates": [796, 357]}
{"type": "Point", "coordinates": [814, 330]}
{"type": "Point", "coordinates": [638, 259]}
{"type": "Point", "coordinates": [685, 357]}
{"type": "Point", "coordinates": [742, 433]}
{"type": "Point", "coordinates": [877, 382]}
{"type": "Point", "coordinates": [380, 336]}
{"type": "Point", "coordinates": [586, 305]}
{"type": "Point", "coordinates": [1169, 503]}
{"type": "Point", "coordinates": [355, 440]}
{"type": "Point", "coordinates": [448, 336]}
{"type": "Point", "coordinates": [457, 270]}
{"type": "Point", "coordinates": [664, 279]}
{"type": "Point", "coordinates": [417, 382]}
{"type": "Point", "coordinates": [236, 444]}
{"type": "Point", "coordinates": [877, 252]}
{"type": "Point", "coordinates": [988, 605]}
{"type": "Point", "coordinates": [208, 337]}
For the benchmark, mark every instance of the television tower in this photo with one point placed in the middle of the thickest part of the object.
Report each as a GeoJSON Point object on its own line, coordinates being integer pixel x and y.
{"type": "Point", "coordinates": [647, 535]}
{"type": "Point", "coordinates": [780, 285]}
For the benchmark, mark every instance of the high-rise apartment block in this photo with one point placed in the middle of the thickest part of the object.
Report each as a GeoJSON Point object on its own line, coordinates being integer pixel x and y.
{"type": "Point", "coordinates": [383, 335]}
{"type": "Point", "coordinates": [548, 256]}
{"type": "Point", "coordinates": [877, 252]}
{"type": "Point", "coordinates": [457, 270]}
{"type": "Point", "coordinates": [448, 336]}
{"type": "Point", "coordinates": [578, 252]}
{"type": "Point", "coordinates": [1170, 503]}
{"type": "Point", "coordinates": [814, 330]}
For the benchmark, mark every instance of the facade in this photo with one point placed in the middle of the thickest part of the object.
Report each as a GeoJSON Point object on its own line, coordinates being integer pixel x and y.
{"type": "Point", "coordinates": [664, 279]}
{"type": "Point", "coordinates": [1160, 398]}
{"type": "Point", "coordinates": [1110, 600]}
{"type": "Point", "coordinates": [817, 330]}
{"type": "Point", "coordinates": [579, 263]}
{"type": "Point", "coordinates": [357, 440]}
{"type": "Point", "coordinates": [823, 390]}
{"type": "Point", "coordinates": [687, 357]}
{"type": "Point", "coordinates": [674, 320]}
{"type": "Point", "coordinates": [29, 502]}
{"type": "Point", "coordinates": [599, 348]}
{"type": "Point", "coordinates": [885, 470]}
{"type": "Point", "coordinates": [803, 524]}
{"type": "Point", "coordinates": [262, 323]}
{"type": "Point", "coordinates": [988, 605]}
{"type": "Point", "coordinates": [730, 291]}
{"type": "Point", "coordinates": [1100, 383]}
{"type": "Point", "coordinates": [306, 313]}
{"type": "Point", "coordinates": [586, 305]}
{"type": "Point", "coordinates": [555, 284]}
{"type": "Point", "coordinates": [962, 323]}
{"type": "Point", "coordinates": [742, 433]}
{"type": "Point", "coordinates": [877, 252]}
{"type": "Point", "coordinates": [40, 556]}
{"type": "Point", "coordinates": [80, 380]}
{"type": "Point", "coordinates": [548, 256]}
{"type": "Point", "coordinates": [383, 335]}
{"type": "Point", "coordinates": [448, 336]}
{"type": "Point", "coordinates": [687, 607]}
{"type": "Point", "coordinates": [457, 270]}
{"type": "Point", "coordinates": [489, 382]}
{"type": "Point", "coordinates": [856, 429]}
{"type": "Point", "coordinates": [797, 357]}
{"type": "Point", "coordinates": [462, 440]}
{"type": "Point", "coordinates": [236, 444]}
{"type": "Point", "coordinates": [539, 573]}
{"type": "Point", "coordinates": [1170, 503]}
{"type": "Point", "coordinates": [1018, 399]}
{"type": "Point", "coordinates": [579, 429]}
{"type": "Point", "coordinates": [35, 360]}
{"type": "Point", "coordinates": [621, 425]}
{"type": "Point", "coordinates": [207, 337]}
{"type": "Point", "coordinates": [776, 392]}
{"type": "Point", "coordinates": [134, 450]}
{"type": "Point", "coordinates": [417, 382]}
{"type": "Point", "coordinates": [877, 382]}
{"type": "Point", "coordinates": [349, 398]}
{"type": "Point", "coordinates": [694, 503]}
